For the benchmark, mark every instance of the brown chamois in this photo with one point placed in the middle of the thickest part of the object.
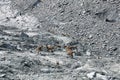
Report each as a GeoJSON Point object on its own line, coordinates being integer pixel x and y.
{"type": "Point", "coordinates": [50, 48]}
{"type": "Point", "coordinates": [69, 51]}
{"type": "Point", "coordinates": [38, 49]}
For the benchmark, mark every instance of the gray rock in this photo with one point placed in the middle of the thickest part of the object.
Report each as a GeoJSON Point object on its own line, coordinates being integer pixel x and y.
{"type": "Point", "coordinates": [23, 35]}
{"type": "Point", "coordinates": [88, 53]}
{"type": "Point", "coordinates": [100, 76]}
{"type": "Point", "coordinates": [97, 76]}
{"type": "Point", "coordinates": [91, 75]}
{"type": "Point", "coordinates": [6, 46]}
{"type": "Point", "coordinates": [90, 24]}
{"type": "Point", "coordinates": [75, 65]}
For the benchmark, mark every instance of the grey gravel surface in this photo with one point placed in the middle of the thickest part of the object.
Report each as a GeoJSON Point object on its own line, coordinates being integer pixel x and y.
{"type": "Point", "coordinates": [92, 26]}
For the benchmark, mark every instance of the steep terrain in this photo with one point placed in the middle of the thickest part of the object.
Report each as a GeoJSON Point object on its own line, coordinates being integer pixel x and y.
{"type": "Point", "coordinates": [92, 26]}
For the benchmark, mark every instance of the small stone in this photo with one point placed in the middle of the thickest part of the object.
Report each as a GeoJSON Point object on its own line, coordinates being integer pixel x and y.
{"type": "Point", "coordinates": [90, 36]}
{"type": "Point", "coordinates": [114, 49]}
{"type": "Point", "coordinates": [19, 48]}
{"type": "Point", "coordinates": [88, 53]}
{"type": "Point", "coordinates": [104, 45]}
{"type": "Point", "coordinates": [83, 12]}
{"type": "Point", "coordinates": [100, 76]}
{"type": "Point", "coordinates": [2, 75]}
{"type": "Point", "coordinates": [24, 35]}
{"type": "Point", "coordinates": [75, 65]}
{"type": "Point", "coordinates": [91, 75]}
{"type": "Point", "coordinates": [46, 70]}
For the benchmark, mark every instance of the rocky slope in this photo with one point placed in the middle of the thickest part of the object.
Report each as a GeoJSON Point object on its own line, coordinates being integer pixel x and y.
{"type": "Point", "coordinates": [90, 25]}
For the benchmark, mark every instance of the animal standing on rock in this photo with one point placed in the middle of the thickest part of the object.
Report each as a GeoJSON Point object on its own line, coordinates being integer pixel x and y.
{"type": "Point", "coordinates": [38, 49]}
{"type": "Point", "coordinates": [69, 51]}
{"type": "Point", "coordinates": [50, 48]}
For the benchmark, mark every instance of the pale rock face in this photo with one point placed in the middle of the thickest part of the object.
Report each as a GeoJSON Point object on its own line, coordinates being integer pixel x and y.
{"type": "Point", "coordinates": [25, 20]}
{"type": "Point", "coordinates": [115, 68]}
{"type": "Point", "coordinates": [8, 17]}
{"type": "Point", "coordinates": [91, 75]}
{"type": "Point", "coordinates": [5, 11]}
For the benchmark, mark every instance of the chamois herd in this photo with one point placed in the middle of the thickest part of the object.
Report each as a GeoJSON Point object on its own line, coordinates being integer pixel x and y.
{"type": "Point", "coordinates": [50, 48]}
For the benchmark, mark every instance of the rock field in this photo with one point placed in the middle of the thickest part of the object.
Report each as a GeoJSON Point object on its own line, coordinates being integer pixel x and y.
{"type": "Point", "coordinates": [91, 27]}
